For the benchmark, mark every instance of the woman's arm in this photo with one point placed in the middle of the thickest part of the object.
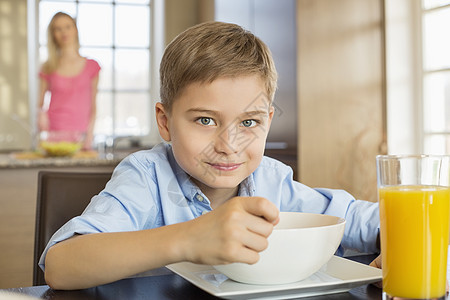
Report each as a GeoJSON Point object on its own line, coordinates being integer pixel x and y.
{"type": "Point", "coordinates": [90, 130]}
{"type": "Point", "coordinates": [42, 118]}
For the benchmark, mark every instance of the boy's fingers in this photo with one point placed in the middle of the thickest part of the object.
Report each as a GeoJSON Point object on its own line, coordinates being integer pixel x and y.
{"type": "Point", "coordinates": [261, 207]}
{"type": "Point", "coordinates": [259, 226]}
{"type": "Point", "coordinates": [377, 264]}
{"type": "Point", "coordinates": [248, 256]}
{"type": "Point", "coordinates": [378, 284]}
{"type": "Point", "coordinates": [255, 242]}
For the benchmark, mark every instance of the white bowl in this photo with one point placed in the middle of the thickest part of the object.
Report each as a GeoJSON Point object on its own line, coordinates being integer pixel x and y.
{"type": "Point", "coordinates": [299, 246]}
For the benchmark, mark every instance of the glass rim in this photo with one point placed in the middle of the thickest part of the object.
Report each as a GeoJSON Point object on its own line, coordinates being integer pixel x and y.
{"type": "Point", "coordinates": [406, 156]}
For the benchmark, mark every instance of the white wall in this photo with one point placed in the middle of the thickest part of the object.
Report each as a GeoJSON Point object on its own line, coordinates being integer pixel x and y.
{"type": "Point", "coordinates": [14, 107]}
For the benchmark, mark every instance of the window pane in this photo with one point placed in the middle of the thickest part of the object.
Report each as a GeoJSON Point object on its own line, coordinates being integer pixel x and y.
{"type": "Point", "coordinates": [427, 4]}
{"type": "Point", "coordinates": [95, 24]}
{"type": "Point", "coordinates": [436, 43]}
{"type": "Point", "coordinates": [105, 58]}
{"type": "Point", "coordinates": [132, 26]}
{"type": "Point", "coordinates": [133, 1]}
{"type": "Point", "coordinates": [106, 1]}
{"type": "Point", "coordinates": [104, 121]}
{"type": "Point", "coordinates": [43, 55]}
{"type": "Point", "coordinates": [132, 69]}
{"type": "Point", "coordinates": [132, 114]}
{"type": "Point", "coordinates": [436, 102]}
{"type": "Point", "coordinates": [46, 12]}
{"type": "Point", "coordinates": [437, 144]}
{"type": "Point", "coordinates": [117, 35]}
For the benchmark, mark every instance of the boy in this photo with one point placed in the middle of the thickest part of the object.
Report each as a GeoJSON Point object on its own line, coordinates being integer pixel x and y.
{"type": "Point", "coordinates": [207, 195]}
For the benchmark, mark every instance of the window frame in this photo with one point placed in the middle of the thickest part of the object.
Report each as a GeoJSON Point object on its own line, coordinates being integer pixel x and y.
{"type": "Point", "coordinates": [424, 133]}
{"type": "Point", "coordinates": [155, 48]}
{"type": "Point", "coordinates": [405, 73]}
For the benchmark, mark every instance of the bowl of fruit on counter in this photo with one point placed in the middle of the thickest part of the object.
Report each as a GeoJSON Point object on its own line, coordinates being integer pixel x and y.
{"type": "Point", "coordinates": [60, 143]}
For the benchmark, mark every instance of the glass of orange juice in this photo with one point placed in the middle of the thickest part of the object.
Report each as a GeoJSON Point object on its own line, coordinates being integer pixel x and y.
{"type": "Point", "coordinates": [414, 198]}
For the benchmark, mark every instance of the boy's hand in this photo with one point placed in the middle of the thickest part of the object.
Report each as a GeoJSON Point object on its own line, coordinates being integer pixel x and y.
{"type": "Point", "coordinates": [234, 232]}
{"type": "Point", "coordinates": [377, 264]}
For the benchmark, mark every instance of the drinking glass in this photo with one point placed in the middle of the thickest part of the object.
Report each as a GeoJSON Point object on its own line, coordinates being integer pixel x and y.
{"type": "Point", "coordinates": [414, 197]}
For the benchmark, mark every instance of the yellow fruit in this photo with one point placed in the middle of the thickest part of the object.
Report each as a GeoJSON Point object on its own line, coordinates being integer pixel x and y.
{"type": "Point", "coordinates": [60, 148]}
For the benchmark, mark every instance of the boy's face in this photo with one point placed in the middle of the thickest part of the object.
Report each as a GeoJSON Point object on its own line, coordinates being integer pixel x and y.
{"type": "Point", "coordinates": [218, 130]}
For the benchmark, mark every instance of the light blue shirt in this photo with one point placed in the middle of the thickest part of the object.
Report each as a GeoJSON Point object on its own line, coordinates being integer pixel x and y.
{"type": "Point", "coordinates": [148, 189]}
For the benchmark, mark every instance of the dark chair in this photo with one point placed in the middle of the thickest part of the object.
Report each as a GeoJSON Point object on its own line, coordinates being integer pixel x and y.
{"type": "Point", "coordinates": [61, 196]}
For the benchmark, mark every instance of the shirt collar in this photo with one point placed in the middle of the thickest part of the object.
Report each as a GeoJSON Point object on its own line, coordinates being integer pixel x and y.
{"type": "Point", "coordinates": [189, 189]}
{"type": "Point", "coordinates": [247, 187]}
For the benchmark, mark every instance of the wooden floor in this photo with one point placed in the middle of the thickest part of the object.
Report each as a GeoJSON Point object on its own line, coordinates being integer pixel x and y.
{"type": "Point", "coordinates": [18, 190]}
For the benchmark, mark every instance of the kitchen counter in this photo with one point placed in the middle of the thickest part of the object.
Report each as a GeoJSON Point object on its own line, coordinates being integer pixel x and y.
{"type": "Point", "coordinates": [18, 185]}
{"type": "Point", "coordinates": [36, 160]}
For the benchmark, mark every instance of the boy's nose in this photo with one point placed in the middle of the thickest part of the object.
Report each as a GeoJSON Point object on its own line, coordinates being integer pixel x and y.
{"type": "Point", "coordinates": [226, 142]}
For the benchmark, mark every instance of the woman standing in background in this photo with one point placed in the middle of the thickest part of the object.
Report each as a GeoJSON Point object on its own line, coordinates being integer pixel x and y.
{"type": "Point", "coordinates": [72, 81]}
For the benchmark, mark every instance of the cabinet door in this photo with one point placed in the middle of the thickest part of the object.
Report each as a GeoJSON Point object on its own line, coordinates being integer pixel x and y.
{"type": "Point", "coordinates": [341, 94]}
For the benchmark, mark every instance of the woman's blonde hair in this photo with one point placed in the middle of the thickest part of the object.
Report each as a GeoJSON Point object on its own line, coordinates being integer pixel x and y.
{"type": "Point", "coordinates": [53, 49]}
{"type": "Point", "coordinates": [211, 50]}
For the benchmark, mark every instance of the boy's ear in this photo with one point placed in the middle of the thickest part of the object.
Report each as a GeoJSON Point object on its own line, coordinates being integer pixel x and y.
{"type": "Point", "coordinates": [271, 112]}
{"type": "Point", "coordinates": [162, 118]}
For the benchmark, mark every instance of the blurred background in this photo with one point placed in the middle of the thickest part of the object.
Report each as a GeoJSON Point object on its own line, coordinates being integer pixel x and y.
{"type": "Point", "coordinates": [356, 79]}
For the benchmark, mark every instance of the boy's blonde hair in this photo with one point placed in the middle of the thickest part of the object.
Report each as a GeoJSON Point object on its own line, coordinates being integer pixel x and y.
{"type": "Point", "coordinates": [211, 50]}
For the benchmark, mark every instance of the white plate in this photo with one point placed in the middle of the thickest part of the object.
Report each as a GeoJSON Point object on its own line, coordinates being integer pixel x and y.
{"type": "Point", "coordinates": [337, 276]}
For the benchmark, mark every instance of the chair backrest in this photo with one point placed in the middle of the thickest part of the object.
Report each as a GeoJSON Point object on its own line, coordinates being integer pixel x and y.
{"type": "Point", "coordinates": [61, 196]}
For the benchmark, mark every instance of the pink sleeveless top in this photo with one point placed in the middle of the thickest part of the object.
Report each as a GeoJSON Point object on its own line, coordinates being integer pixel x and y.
{"type": "Point", "coordinates": [71, 98]}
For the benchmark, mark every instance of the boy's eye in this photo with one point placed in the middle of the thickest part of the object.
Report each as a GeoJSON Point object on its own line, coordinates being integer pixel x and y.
{"type": "Point", "coordinates": [249, 123]}
{"type": "Point", "coordinates": [206, 121]}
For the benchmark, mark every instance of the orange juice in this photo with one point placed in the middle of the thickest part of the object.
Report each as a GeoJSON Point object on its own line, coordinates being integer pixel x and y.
{"type": "Point", "coordinates": [414, 223]}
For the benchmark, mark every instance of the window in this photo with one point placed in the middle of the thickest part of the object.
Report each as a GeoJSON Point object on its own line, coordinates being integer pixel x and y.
{"type": "Point", "coordinates": [436, 76]}
{"type": "Point", "coordinates": [122, 37]}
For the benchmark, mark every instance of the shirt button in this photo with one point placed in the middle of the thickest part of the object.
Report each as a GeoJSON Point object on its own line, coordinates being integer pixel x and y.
{"type": "Point", "coordinates": [199, 197]}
